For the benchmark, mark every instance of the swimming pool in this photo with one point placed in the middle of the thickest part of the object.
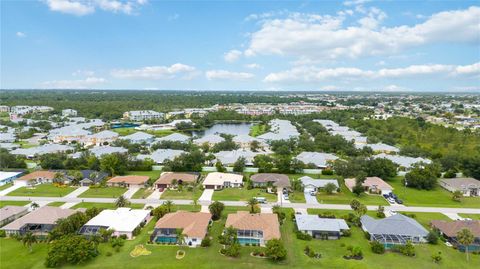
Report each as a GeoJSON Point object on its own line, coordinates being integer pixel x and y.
{"type": "Point", "coordinates": [244, 241]}
{"type": "Point", "coordinates": [166, 240]}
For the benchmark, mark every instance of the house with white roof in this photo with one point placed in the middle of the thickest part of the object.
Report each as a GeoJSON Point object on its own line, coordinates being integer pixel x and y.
{"type": "Point", "coordinates": [8, 177]}
{"type": "Point", "coordinates": [140, 137]}
{"type": "Point", "coordinates": [7, 137]}
{"type": "Point", "coordinates": [230, 157]}
{"type": "Point", "coordinates": [142, 115]}
{"type": "Point", "coordinates": [404, 162]}
{"type": "Point", "coordinates": [379, 147]}
{"type": "Point", "coordinates": [218, 181]}
{"type": "Point", "coordinates": [313, 185]}
{"type": "Point", "coordinates": [209, 139]}
{"type": "Point", "coordinates": [175, 137]}
{"type": "Point", "coordinates": [123, 221]}
{"type": "Point", "coordinates": [280, 130]}
{"type": "Point", "coordinates": [101, 138]}
{"type": "Point", "coordinates": [104, 150]}
{"type": "Point", "coordinates": [69, 112]}
{"type": "Point", "coordinates": [160, 156]}
{"type": "Point", "coordinates": [319, 159]}
{"type": "Point", "coordinates": [244, 140]}
{"type": "Point", "coordinates": [40, 150]}
{"type": "Point", "coordinates": [321, 228]}
{"type": "Point", "coordinates": [68, 133]}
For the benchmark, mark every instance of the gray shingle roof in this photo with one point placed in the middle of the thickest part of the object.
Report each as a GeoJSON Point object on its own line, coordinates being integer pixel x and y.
{"type": "Point", "coordinates": [315, 223]}
{"type": "Point", "coordinates": [397, 224]}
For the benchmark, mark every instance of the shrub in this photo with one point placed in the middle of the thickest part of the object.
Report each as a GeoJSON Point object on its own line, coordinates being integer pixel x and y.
{"type": "Point", "coordinates": [437, 257]}
{"type": "Point", "coordinates": [432, 238]}
{"type": "Point", "coordinates": [2, 233]}
{"type": "Point", "coordinates": [377, 247]}
{"type": "Point", "coordinates": [206, 242]}
{"type": "Point", "coordinates": [346, 233]}
{"type": "Point", "coordinates": [449, 174]}
{"type": "Point", "coordinates": [367, 235]}
{"type": "Point", "coordinates": [108, 254]}
{"type": "Point", "coordinates": [408, 249]}
{"type": "Point", "coordinates": [327, 172]}
{"type": "Point", "coordinates": [303, 236]}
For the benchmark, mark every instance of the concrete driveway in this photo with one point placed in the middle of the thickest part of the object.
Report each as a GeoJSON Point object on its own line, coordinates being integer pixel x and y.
{"type": "Point", "coordinates": [131, 191]}
{"type": "Point", "coordinates": [9, 189]}
{"type": "Point", "coordinates": [206, 195]}
{"type": "Point", "coordinates": [309, 199]}
{"type": "Point", "coordinates": [77, 192]}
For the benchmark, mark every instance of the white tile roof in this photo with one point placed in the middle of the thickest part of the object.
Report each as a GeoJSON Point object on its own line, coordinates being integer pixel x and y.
{"type": "Point", "coordinates": [120, 219]}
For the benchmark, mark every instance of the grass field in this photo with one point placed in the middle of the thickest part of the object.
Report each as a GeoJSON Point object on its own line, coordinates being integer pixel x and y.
{"type": "Point", "coordinates": [242, 194]}
{"type": "Point", "coordinates": [203, 258]}
{"type": "Point", "coordinates": [181, 195]}
{"type": "Point", "coordinates": [42, 190]}
{"type": "Point", "coordinates": [57, 204]}
{"type": "Point", "coordinates": [106, 192]}
{"type": "Point", "coordinates": [297, 197]}
{"type": "Point", "coordinates": [129, 131]}
{"type": "Point", "coordinates": [6, 186]}
{"type": "Point", "coordinates": [104, 205]}
{"type": "Point", "coordinates": [345, 196]}
{"type": "Point", "coordinates": [438, 197]}
{"type": "Point", "coordinates": [18, 203]}
{"type": "Point", "coordinates": [258, 129]}
{"type": "Point", "coordinates": [142, 193]}
{"type": "Point", "coordinates": [471, 216]}
{"type": "Point", "coordinates": [154, 175]}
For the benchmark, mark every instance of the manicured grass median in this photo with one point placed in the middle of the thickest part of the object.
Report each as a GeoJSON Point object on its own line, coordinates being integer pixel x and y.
{"type": "Point", "coordinates": [57, 204]}
{"type": "Point", "coordinates": [142, 193]}
{"type": "Point", "coordinates": [17, 203]}
{"type": "Point", "coordinates": [242, 194]}
{"type": "Point", "coordinates": [6, 186]}
{"type": "Point", "coordinates": [43, 190]}
{"type": "Point", "coordinates": [105, 192]}
{"type": "Point", "coordinates": [471, 216]}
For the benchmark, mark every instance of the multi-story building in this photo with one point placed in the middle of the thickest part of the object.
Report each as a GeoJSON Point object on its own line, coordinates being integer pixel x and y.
{"type": "Point", "coordinates": [142, 115]}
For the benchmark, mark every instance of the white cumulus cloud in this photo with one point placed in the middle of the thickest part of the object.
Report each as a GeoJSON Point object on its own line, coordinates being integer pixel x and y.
{"type": "Point", "coordinates": [227, 75]}
{"type": "Point", "coordinates": [85, 7]}
{"type": "Point", "coordinates": [21, 34]}
{"type": "Point", "coordinates": [155, 72]}
{"type": "Point", "coordinates": [232, 56]}
{"type": "Point", "coordinates": [86, 83]}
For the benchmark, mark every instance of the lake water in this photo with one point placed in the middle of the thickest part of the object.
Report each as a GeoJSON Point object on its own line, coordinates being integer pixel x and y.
{"type": "Point", "coordinates": [226, 128]}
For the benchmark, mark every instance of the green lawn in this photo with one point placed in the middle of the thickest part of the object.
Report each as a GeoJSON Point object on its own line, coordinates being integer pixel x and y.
{"type": "Point", "coordinates": [209, 258]}
{"type": "Point", "coordinates": [296, 197]}
{"type": "Point", "coordinates": [154, 174]}
{"type": "Point", "coordinates": [106, 192]}
{"type": "Point", "coordinates": [6, 186]}
{"type": "Point", "coordinates": [471, 216]}
{"type": "Point", "coordinates": [25, 144]}
{"type": "Point", "coordinates": [129, 131]}
{"type": "Point", "coordinates": [18, 203]}
{"type": "Point", "coordinates": [104, 205]}
{"type": "Point", "coordinates": [438, 197]}
{"type": "Point", "coordinates": [181, 195]}
{"type": "Point", "coordinates": [242, 194]}
{"type": "Point", "coordinates": [43, 190]}
{"type": "Point", "coordinates": [57, 204]}
{"type": "Point", "coordinates": [142, 193]}
{"type": "Point", "coordinates": [258, 129]}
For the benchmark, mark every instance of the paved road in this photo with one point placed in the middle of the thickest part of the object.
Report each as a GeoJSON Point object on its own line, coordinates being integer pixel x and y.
{"type": "Point", "coordinates": [243, 203]}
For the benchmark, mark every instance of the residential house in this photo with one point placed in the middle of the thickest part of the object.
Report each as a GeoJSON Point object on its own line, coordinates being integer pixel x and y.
{"type": "Point", "coordinates": [10, 213]}
{"type": "Point", "coordinates": [33, 152]}
{"type": "Point", "coordinates": [35, 178]}
{"type": "Point", "coordinates": [450, 229]}
{"type": "Point", "coordinates": [468, 186]}
{"type": "Point", "coordinates": [7, 137]}
{"type": "Point", "coordinates": [394, 230]}
{"type": "Point", "coordinates": [254, 229]}
{"type": "Point", "coordinates": [319, 159]}
{"type": "Point", "coordinates": [379, 147]}
{"type": "Point", "coordinates": [104, 150]}
{"type": "Point", "coordinates": [39, 222]}
{"type": "Point", "coordinates": [175, 137]}
{"type": "Point", "coordinates": [69, 112]}
{"type": "Point", "coordinates": [160, 156]}
{"type": "Point", "coordinates": [404, 162]}
{"type": "Point", "coordinates": [311, 185]}
{"type": "Point", "coordinates": [102, 138]}
{"type": "Point", "coordinates": [209, 139]}
{"type": "Point", "coordinates": [128, 181]}
{"type": "Point", "coordinates": [8, 177]}
{"type": "Point", "coordinates": [265, 179]}
{"type": "Point", "coordinates": [167, 179]}
{"type": "Point", "coordinates": [122, 221]}
{"type": "Point", "coordinates": [139, 138]}
{"type": "Point", "coordinates": [91, 177]}
{"type": "Point", "coordinates": [230, 157]}
{"type": "Point", "coordinates": [218, 181]}
{"type": "Point", "coordinates": [321, 228]}
{"type": "Point", "coordinates": [68, 134]}
{"type": "Point", "coordinates": [244, 141]}
{"type": "Point", "coordinates": [194, 227]}
{"type": "Point", "coordinates": [371, 184]}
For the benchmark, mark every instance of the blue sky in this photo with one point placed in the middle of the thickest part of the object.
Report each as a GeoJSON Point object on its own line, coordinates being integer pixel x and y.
{"type": "Point", "coordinates": [356, 45]}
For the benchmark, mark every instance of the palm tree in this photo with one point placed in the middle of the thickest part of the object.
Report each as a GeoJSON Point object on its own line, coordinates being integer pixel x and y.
{"type": "Point", "coordinates": [465, 237]}
{"type": "Point", "coordinates": [168, 204]}
{"type": "Point", "coordinates": [195, 203]}
{"type": "Point", "coordinates": [34, 205]}
{"type": "Point", "coordinates": [252, 203]}
{"type": "Point", "coordinates": [28, 239]}
{"type": "Point", "coordinates": [58, 178]}
{"type": "Point", "coordinates": [457, 196]}
{"type": "Point", "coordinates": [122, 201]}
{"type": "Point", "coordinates": [180, 236]}
{"type": "Point", "coordinates": [231, 234]}
{"type": "Point", "coordinates": [105, 234]}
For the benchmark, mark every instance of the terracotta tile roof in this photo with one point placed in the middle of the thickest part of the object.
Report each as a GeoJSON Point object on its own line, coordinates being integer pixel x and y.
{"type": "Point", "coordinates": [194, 224]}
{"type": "Point", "coordinates": [129, 179]}
{"type": "Point", "coordinates": [266, 222]}
{"type": "Point", "coordinates": [369, 182]}
{"type": "Point", "coordinates": [451, 228]}
{"type": "Point", "coordinates": [43, 215]}
{"type": "Point", "coordinates": [167, 177]}
{"type": "Point", "coordinates": [39, 174]}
